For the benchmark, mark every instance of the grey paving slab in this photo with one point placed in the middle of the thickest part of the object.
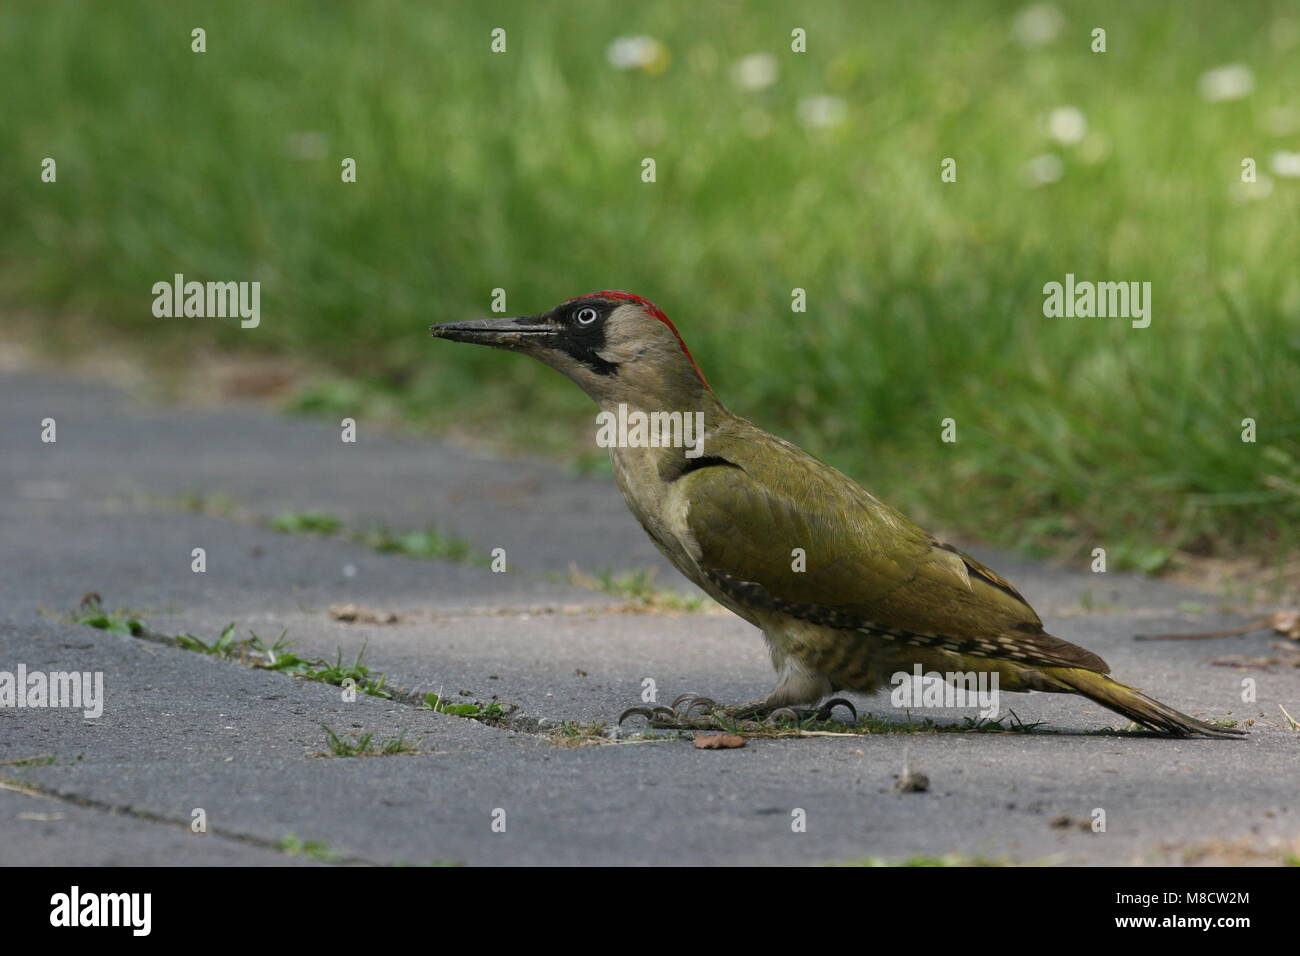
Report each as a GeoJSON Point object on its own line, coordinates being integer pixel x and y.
{"type": "Point", "coordinates": [110, 447]}
{"type": "Point", "coordinates": [169, 704]}
{"type": "Point", "coordinates": [47, 831]}
{"type": "Point", "coordinates": [143, 561]}
{"type": "Point", "coordinates": [665, 803]}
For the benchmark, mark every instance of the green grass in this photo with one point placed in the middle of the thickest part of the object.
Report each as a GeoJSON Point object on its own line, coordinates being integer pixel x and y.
{"type": "Point", "coordinates": [521, 171]}
{"type": "Point", "coordinates": [41, 760]}
{"type": "Point", "coordinates": [226, 646]}
{"type": "Point", "coordinates": [338, 672]}
{"type": "Point", "coordinates": [251, 651]}
{"type": "Point", "coordinates": [577, 733]}
{"type": "Point", "coordinates": [277, 657]}
{"type": "Point", "coordinates": [118, 621]}
{"type": "Point", "coordinates": [638, 588]}
{"type": "Point", "coordinates": [306, 522]}
{"type": "Point", "coordinates": [477, 710]}
{"type": "Point", "coordinates": [363, 745]}
{"type": "Point", "coordinates": [294, 845]}
{"type": "Point", "coordinates": [427, 543]}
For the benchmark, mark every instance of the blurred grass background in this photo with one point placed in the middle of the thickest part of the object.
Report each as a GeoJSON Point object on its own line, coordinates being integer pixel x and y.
{"type": "Point", "coordinates": [818, 170]}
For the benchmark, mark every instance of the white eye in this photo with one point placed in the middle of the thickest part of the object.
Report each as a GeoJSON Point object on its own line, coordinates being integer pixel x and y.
{"type": "Point", "coordinates": [586, 316]}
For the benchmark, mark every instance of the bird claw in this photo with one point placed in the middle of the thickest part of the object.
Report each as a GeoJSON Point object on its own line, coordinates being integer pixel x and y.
{"type": "Point", "coordinates": [826, 710]}
{"type": "Point", "coordinates": [649, 713]}
{"type": "Point", "coordinates": [692, 701]}
{"type": "Point", "coordinates": [689, 711]}
{"type": "Point", "coordinates": [788, 712]}
{"type": "Point", "coordinates": [693, 711]}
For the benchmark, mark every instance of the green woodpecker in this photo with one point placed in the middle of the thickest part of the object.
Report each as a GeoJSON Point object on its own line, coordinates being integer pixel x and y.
{"type": "Point", "coordinates": [874, 594]}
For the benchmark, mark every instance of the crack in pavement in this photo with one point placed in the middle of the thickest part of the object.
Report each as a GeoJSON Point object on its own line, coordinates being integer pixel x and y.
{"type": "Point", "coordinates": [159, 819]}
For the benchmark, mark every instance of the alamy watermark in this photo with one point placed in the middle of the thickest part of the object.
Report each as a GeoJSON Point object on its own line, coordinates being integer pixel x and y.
{"type": "Point", "coordinates": [1102, 300]}
{"type": "Point", "coordinates": [949, 689]}
{"type": "Point", "coordinates": [208, 300]}
{"type": "Point", "coordinates": [75, 908]}
{"type": "Point", "coordinates": [73, 689]}
{"type": "Point", "coordinates": [638, 429]}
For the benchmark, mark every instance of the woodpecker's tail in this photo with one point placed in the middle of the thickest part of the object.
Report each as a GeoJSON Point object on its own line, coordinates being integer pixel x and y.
{"type": "Point", "coordinates": [1134, 704]}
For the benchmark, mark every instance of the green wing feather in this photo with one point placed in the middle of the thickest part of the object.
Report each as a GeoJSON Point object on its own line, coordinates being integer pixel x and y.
{"type": "Point", "coordinates": [868, 567]}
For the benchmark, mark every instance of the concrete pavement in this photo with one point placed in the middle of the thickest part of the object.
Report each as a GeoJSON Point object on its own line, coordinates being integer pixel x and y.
{"type": "Point", "coordinates": [98, 511]}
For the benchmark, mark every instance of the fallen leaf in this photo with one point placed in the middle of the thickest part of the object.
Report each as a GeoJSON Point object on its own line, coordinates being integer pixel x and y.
{"type": "Point", "coordinates": [355, 614]}
{"type": "Point", "coordinates": [718, 741]}
{"type": "Point", "coordinates": [913, 781]}
{"type": "Point", "coordinates": [1286, 623]}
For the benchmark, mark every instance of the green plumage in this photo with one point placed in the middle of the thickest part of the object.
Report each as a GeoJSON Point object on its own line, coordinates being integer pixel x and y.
{"type": "Point", "coordinates": [879, 592]}
{"type": "Point", "coordinates": [846, 590]}
{"type": "Point", "coordinates": [867, 568]}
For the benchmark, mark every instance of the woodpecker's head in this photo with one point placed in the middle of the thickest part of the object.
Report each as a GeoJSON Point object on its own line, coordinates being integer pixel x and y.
{"type": "Point", "coordinates": [617, 346]}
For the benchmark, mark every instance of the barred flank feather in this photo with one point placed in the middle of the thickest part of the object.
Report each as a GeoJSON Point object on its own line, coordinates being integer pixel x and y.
{"type": "Point", "coordinates": [1135, 705]}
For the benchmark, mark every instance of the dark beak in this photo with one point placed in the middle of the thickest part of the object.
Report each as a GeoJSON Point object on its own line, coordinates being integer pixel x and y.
{"type": "Point", "coordinates": [501, 333]}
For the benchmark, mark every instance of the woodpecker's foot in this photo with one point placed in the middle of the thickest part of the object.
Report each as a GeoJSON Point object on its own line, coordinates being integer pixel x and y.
{"type": "Point", "coordinates": [771, 714]}
{"type": "Point", "coordinates": [676, 717]}
{"type": "Point", "coordinates": [681, 715]}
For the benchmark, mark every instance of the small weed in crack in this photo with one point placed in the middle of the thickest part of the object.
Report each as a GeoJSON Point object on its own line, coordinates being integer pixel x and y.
{"type": "Point", "coordinates": [638, 589]}
{"type": "Point", "coordinates": [92, 614]}
{"type": "Point", "coordinates": [478, 710]}
{"type": "Point", "coordinates": [363, 745]}
{"type": "Point", "coordinates": [41, 760]}
{"type": "Point", "coordinates": [428, 542]}
{"type": "Point", "coordinates": [306, 522]}
{"type": "Point", "coordinates": [253, 652]}
{"type": "Point", "coordinates": [294, 845]}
